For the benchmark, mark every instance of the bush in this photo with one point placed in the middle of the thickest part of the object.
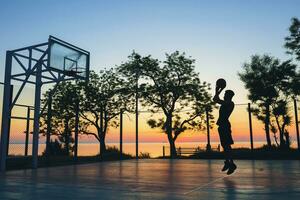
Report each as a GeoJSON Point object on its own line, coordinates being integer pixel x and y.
{"type": "Point", "coordinates": [267, 148]}
{"type": "Point", "coordinates": [55, 148]}
{"type": "Point", "coordinates": [113, 153]}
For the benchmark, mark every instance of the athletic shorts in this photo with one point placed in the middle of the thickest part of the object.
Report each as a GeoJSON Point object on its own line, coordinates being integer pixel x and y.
{"type": "Point", "coordinates": [225, 135]}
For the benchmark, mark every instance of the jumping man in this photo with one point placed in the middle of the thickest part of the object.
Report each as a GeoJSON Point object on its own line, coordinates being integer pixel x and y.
{"type": "Point", "coordinates": [224, 129]}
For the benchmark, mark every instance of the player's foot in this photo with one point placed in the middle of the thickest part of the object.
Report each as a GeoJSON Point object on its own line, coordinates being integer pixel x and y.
{"type": "Point", "coordinates": [231, 169]}
{"type": "Point", "coordinates": [226, 166]}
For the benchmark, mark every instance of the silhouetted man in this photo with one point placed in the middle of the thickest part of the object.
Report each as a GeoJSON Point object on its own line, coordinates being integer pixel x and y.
{"type": "Point", "coordinates": [224, 129]}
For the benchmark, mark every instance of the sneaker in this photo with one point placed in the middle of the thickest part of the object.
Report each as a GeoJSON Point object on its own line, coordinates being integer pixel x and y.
{"type": "Point", "coordinates": [226, 166]}
{"type": "Point", "coordinates": [232, 168]}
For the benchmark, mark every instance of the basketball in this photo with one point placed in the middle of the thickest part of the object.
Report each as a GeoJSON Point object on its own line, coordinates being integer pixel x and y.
{"type": "Point", "coordinates": [221, 83]}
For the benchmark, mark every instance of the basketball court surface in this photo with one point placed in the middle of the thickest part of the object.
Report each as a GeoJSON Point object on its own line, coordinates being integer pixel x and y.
{"type": "Point", "coordinates": [156, 179]}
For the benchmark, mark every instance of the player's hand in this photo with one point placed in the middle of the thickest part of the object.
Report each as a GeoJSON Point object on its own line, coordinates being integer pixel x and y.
{"type": "Point", "coordinates": [219, 90]}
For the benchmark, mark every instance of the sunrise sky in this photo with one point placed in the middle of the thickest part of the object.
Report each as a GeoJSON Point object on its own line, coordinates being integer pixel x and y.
{"type": "Point", "coordinates": [220, 35]}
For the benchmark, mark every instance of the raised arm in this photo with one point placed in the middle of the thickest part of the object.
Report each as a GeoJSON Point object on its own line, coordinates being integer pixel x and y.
{"type": "Point", "coordinates": [216, 98]}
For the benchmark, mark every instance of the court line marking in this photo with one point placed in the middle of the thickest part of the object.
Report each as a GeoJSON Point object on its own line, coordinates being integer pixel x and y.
{"type": "Point", "coordinates": [202, 186]}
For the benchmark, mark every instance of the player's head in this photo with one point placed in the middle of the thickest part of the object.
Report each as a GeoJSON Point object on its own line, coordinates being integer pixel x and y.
{"type": "Point", "coordinates": [228, 95]}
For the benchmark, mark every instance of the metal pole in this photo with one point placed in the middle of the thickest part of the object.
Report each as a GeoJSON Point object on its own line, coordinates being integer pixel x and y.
{"type": "Point", "coordinates": [164, 151]}
{"type": "Point", "coordinates": [250, 125]}
{"type": "Point", "coordinates": [49, 116]}
{"type": "Point", "coordinates": [28, 111]}
{"type": "Point", "coordinates": [101, 127]}
{"type": "Point", "coordinates": [297, 122]}
{"type": "Point", "coordinates": [76, 130]}
{"type": "Point", "coordinates": [208, 146]}
{"type": "Point", "coordinates": [5, 111]}
{"type": "Point", "coordinates": [136, 119]}
{"type": "Point", "coordinates": [36, 125]}
{"type": "Point", "coordinates": [27, 131]}
{"type": "Point", "coordinates": [9, 123]}
{"type": "Point", "coordinates": [121, 134]}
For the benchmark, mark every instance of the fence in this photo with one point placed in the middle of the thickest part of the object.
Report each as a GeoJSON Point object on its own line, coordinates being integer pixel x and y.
{"type": "Point", "coordinates": [248, 132]}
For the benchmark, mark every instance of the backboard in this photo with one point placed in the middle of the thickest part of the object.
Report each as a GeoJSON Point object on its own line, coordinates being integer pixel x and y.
{"type": "Point", "coordinates": [68, 59]}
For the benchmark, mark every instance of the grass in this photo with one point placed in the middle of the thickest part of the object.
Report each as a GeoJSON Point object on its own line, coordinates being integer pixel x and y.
{"type": "Point", "coordinates": [16, 162]}
{"type": "Point", "coordinates": [262, 153]}
{"type": "Point", "coordinates": [22, 162]}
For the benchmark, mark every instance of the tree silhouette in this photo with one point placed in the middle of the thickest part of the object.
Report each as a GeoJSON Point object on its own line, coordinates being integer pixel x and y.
{"type": "Point", "coordinates": [293, 41]}
{"type": "Point", "coordinates": [170, 88]}
{"type": "Point", "coordinates": [64, 100]}
{"type": "Point", "coordinates": [293, 46]}
{"type": "Point", "coordinates": [269, 81]}
{"type": "Point", "coordinates": [282, 119]}
{"type": "Point", "coordinates": [102, 100]}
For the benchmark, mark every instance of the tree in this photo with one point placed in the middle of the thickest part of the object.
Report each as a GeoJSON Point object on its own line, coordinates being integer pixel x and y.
{"type": "Point", "coordinates": [170, 88]}
{"type": "Point", "coordinates": [293, 41]}
{"type": "Point", "coordinates": [293, 46]}
{"type": "Point", "coordinates": [282, 119]}
{"type": "Point", "coordinates": [64, 99]}
{"type": "Point", "coordinates": [268, 81]}
{"type": "Point", "coordinates": [102, 100]}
